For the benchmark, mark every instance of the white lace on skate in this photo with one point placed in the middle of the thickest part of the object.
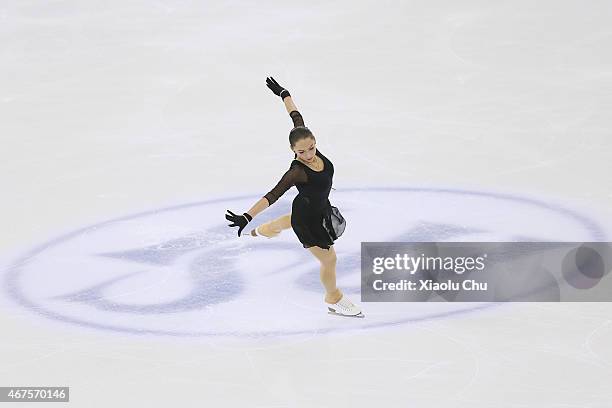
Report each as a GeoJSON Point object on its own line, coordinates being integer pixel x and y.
{"type": "Point", "coordinates": [344, 307]}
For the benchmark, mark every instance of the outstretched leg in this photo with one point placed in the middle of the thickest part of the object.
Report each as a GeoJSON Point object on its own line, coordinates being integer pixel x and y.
{"type": "Point", "coordinates": [273, 228]}
{"type": "Point", "coordinates": [327, 257]}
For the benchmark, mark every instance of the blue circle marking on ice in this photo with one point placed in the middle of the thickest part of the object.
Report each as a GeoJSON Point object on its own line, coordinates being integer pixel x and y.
{"type": "Point", "coordinates": [127, 281]}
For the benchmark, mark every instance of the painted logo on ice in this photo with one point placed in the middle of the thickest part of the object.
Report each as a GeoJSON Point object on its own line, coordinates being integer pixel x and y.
{"type": "Point", "coordinates": [180, 271]}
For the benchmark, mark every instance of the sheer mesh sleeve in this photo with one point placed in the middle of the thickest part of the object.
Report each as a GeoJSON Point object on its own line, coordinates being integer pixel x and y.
{"type": "Point", "coordinates": [297, 118]}
{"type": "Point", "coordinates": [295, 174]}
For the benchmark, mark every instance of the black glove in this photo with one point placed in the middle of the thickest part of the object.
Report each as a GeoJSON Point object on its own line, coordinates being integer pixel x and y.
{"type": "Point", "coordinates": [276, 88]}
{"type": "Point", "coordinates": [238, 220]}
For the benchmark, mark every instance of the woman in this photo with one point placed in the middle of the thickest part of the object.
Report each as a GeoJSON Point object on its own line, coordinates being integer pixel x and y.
{"type": "Point", "coordinates": [311, 173]}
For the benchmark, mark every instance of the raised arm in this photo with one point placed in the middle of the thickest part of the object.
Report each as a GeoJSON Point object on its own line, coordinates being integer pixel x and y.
{"type": "Point", "coordinates": [278, 90]}
{"type": "Point", "coordinates": [296, 116]}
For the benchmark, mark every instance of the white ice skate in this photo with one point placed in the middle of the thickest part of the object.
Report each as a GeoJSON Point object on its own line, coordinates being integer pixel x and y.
{"type": "Point", "coordinates": [344, 307]}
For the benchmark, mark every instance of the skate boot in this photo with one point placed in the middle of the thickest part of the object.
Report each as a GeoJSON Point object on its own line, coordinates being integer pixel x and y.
{"type": "Point", "coordinates": [344, 307]}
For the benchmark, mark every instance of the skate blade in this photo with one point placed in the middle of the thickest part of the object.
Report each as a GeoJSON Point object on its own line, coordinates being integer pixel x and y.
{"type": "Point", "coordinates": [359, 316]}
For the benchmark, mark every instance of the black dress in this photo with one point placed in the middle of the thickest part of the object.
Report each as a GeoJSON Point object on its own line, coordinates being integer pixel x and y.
{"type": "Point", "coordinates": [311, 205]}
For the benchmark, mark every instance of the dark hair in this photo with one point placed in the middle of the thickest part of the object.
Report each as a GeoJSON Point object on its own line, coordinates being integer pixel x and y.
{"type": "Point", "coordinates": [299, 133]}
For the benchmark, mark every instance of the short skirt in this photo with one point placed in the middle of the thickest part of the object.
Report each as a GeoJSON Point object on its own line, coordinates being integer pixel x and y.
{"type": "Point", "coordinates": [315, 226]}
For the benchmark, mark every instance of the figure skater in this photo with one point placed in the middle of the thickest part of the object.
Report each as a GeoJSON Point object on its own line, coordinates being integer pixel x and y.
{"type": "Point", "coordinates": [310, 218]}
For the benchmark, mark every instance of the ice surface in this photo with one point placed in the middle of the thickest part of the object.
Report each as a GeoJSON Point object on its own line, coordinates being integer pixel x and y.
{"type": "Point", "coordinates": [128, 128]}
